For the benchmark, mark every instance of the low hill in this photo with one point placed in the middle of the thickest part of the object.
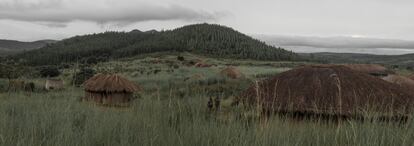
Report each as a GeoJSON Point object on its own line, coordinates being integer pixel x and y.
{"type": "Point", "coordinates": [402, 61]}
{"type": "Point", "coordinates": [9, 47]}
{"type": "Point", "coordinates": [204, 39]}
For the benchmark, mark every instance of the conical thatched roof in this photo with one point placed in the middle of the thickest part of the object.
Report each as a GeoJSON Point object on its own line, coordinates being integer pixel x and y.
{"type": "Point", "coordinates": [373, 69]}
{"type": "Point", "coordinates": [329, 89]}
{"type": "Point", "coordinates": [109, 83]}
{"type": "Point", "coordinates": [231, 72]}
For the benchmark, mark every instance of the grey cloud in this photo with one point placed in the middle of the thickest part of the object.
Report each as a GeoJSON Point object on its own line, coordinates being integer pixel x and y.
{"type": "Point", "coordinates": [56, 12]}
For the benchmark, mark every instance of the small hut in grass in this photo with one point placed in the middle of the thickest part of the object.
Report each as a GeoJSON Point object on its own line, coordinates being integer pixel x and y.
{"type": "Point", "coordinates": [231, 72]}
{"type": "Point", "coordinates": [109, 89]}
{"type": "Point", "coordinates": [372, 69]}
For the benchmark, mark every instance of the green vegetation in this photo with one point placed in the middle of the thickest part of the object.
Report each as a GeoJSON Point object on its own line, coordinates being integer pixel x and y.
{"type": "Point", "coordinates": [172, 110]}
{"type": "Point", "coordinates": [10, 47]}
{"type": "Point", "coordinates": [58, 118]}
{"type": "Point", "coordinates": [205, 39]}
{"type": "Point", "coordinates": [399, 62]}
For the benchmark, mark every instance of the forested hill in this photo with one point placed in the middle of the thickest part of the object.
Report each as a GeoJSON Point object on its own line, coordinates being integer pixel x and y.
{"type": "Point", "coordinates": [8, 47]}
{"type": "Point", "coordinates": [205, 39]}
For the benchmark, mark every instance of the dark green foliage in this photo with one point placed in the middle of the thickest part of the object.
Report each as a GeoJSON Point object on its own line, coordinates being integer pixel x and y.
{"type": "Point", "coordinates": [49, 71]}
{"type": "Point", "coordinates": [180, 58]}
{"type": "Point", "coordinates": [204, 39]}
{"type": "Point", "coordinates": [10, 47]}
{"type": "Point", "coordinates": [12, 71]}
{"type": "Point", "coordinates": [83, 75]}
{"type": "Point", "coordinates": [402, 61]}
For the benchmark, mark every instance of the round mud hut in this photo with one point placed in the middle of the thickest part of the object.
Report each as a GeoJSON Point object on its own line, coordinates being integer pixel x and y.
{"type": "Point", "coordinates": [109, 89]}
{"type": "Point", "coordinates": [372, 69]}
{"type": "Point", "coordinates": [329, 90]}
{"type": "Point", "coordinates": [231, 72]}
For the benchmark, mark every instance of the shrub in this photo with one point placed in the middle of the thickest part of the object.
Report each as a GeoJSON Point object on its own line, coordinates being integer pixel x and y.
{"type": "Point", "coordinates": [82, 76]}
{"type": "Point", "coordinates": [180, 58]}
{"type": "Point", "coordinates": [49, 71]}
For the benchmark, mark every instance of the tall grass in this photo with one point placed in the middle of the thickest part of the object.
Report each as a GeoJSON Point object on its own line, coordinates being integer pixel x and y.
{"type": "Point", "coordinates": [172, 111]}
{"type": "Point", "coordinates": [58, 118]}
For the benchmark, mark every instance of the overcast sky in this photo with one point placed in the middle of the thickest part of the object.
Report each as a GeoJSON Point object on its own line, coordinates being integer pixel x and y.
{"type": "Point", "coordinates": [29, 20]}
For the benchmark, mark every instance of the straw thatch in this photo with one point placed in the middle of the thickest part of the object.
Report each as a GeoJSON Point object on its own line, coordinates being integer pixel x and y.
{"type": "Point", "coordinates": [372, 69]}
{"type": "Point", "coordinates": [109, 83]}
{"type": "Point", "coordinates": [401, 81]}
{"type": "Point", "coordinates": [109, 89]}
{"type": "Point", "coordinates": [231, 72]}
{"type": "Point", "coordinates": [411, 77]}
{"type": "Point", "coordinates": [329, 89]}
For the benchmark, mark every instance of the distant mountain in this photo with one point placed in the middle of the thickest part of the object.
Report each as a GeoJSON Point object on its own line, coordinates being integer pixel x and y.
{"type": "Point", "coordinates": [307, 44]}
{"type": "Point", "coordinates": [204, 39]}
{"type": "Point", "coordinates": [9, 47]}
{"type": "Point", "coordinates": [403, 61]}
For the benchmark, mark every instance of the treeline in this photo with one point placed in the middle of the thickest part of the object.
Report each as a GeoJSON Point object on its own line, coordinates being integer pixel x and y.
{"type": "Point", "coordinates": [205, 39]}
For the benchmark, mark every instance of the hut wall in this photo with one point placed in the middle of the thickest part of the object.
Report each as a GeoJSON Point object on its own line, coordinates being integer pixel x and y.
{"type": "Point", "coordinates": [108, 98]}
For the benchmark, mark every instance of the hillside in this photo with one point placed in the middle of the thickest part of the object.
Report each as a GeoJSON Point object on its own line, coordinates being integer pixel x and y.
{"type": "Point", "coordinates": [404, 61]}
{"type": "Point", "coordinates": [204, 39]}
{"type": "Point", "coordinates": [9, 47]}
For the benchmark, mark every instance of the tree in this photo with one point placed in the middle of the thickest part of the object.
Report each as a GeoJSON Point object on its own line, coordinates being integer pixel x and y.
{"type": "Point", "coordinates": [11, 71]}
{"type": "Point", "coordinates": [203, 39]}
{"type": "Point", "coordinates": [83, 75]}
{"type": "Point", "coordinates": [49, 71]}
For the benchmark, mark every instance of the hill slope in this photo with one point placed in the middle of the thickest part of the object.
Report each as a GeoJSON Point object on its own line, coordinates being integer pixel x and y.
{"type": "Point", "coordinates": [9, 47]}
{"type": "Point", "coordinates": [405, 61]}
{"type": "Point", "coordinates": [204, 39]}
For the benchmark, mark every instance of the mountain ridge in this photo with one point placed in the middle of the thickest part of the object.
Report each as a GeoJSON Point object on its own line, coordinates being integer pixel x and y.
{"type": "Point", "coordinates": [10, 47]}
{"type": "Point", "coordinates": [205, 39]}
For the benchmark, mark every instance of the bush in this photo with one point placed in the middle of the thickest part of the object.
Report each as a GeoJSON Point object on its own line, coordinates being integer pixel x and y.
{"type": "Point", "coordinates": [83, 75]}
{"type": "Point", "coordinates": [49, 71]}
{"type": "Point", "coordinates": [3, 85]}
{"type": "Point", "coordinates": [180, 58]}
{"type": "Point", "coordinates": [11, 71]}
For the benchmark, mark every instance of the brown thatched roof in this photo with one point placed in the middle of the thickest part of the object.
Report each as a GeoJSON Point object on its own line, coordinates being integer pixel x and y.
{"type": "Point", "coordinates": [411, 77]}
{"type": "Point", "coordinates": [328, 89]}
{"type": "Point", "coordinates": [231, 72]}
{"type": "Point", "coordinates": [400, 80]}
{"type": "Point", "coordinates": [109, 83]}
{"type": "Point", "coordinates": [373, 69]}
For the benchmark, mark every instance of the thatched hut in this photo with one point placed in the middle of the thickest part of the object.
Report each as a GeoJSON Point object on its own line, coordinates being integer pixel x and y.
{"type": "Point", "coordinates": [372, 69]}
{"type": "Point", "coordinates": [109, 89]}
{"type": "Point", "coordinates": [54, 84]}
{"type": "Point", "coordinates": [329, 89]}
{"type": "Point", "coordinates": [231, 72]}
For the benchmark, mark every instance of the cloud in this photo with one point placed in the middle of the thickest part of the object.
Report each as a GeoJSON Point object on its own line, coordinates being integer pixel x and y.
{"type": "Point", "coordinates": [56, 13]}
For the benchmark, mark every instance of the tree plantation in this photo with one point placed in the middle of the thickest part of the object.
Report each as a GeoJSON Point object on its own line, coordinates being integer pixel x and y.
{"type": "Point", "coordinates": [206, 39]}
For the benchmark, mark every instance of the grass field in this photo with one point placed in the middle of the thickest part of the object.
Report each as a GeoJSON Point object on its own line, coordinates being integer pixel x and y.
{"type": "Point", "coordinates": [171, 111]}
